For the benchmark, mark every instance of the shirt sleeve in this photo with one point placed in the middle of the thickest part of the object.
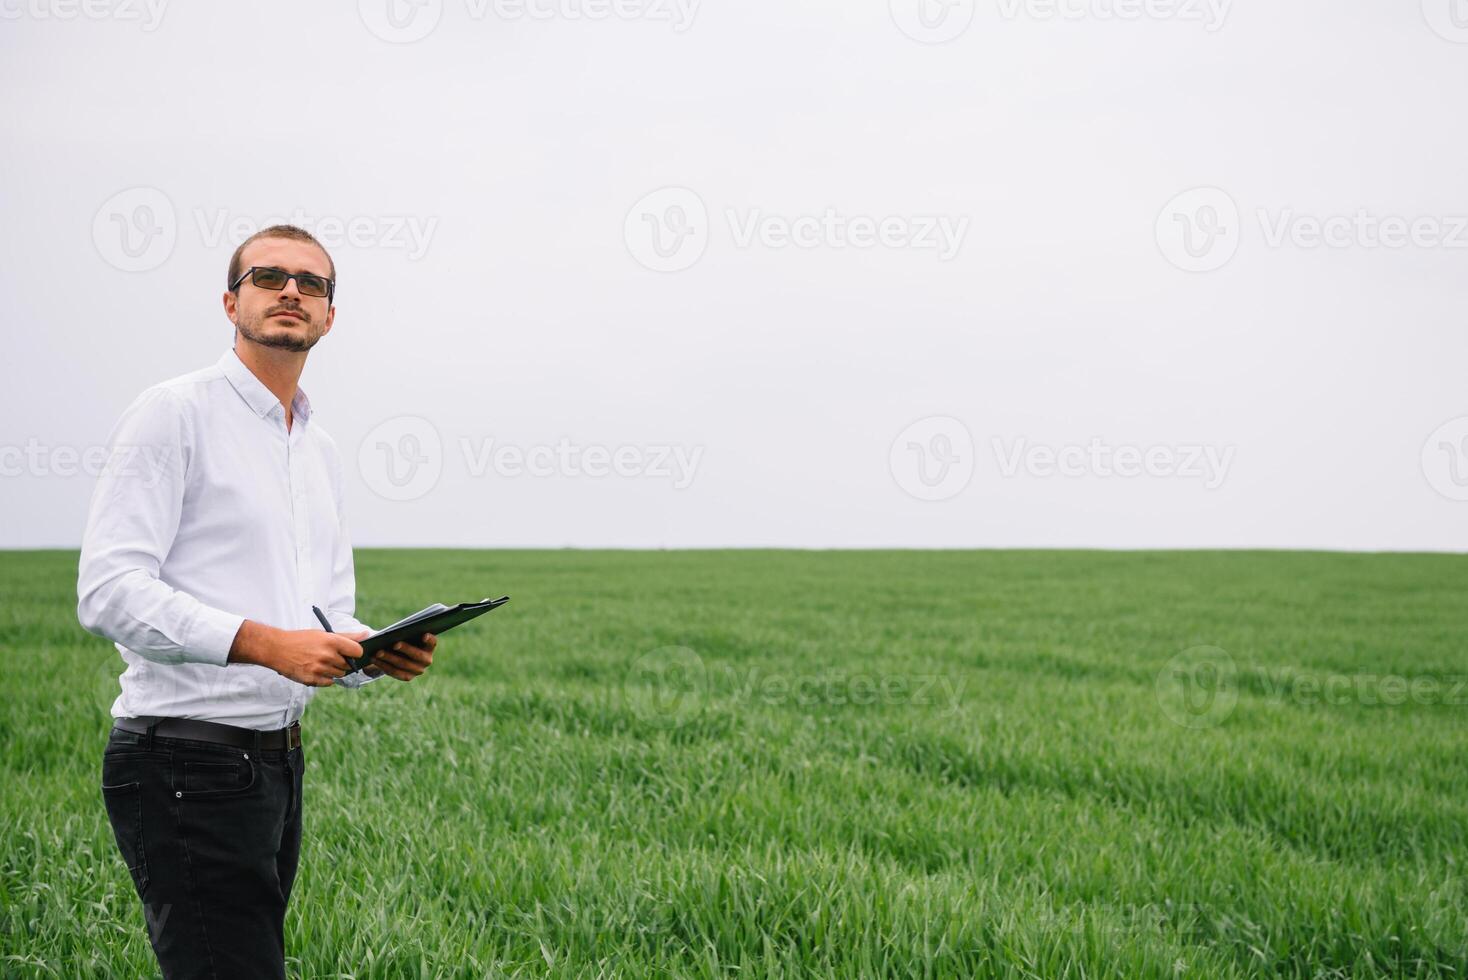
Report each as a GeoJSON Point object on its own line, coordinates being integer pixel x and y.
{"type": "Point", "coordinates": [131, 524]}
{"type": "Point", "coordinates": [342, 603]}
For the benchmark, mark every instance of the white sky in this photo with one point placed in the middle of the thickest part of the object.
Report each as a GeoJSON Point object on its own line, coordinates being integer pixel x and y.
{"type": "Point", "coordinates": [1311, 395]}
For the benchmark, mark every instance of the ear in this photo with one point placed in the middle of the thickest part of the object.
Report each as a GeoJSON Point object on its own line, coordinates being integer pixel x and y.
{"type": "Point", "coordinates": [330, 319]}
{"type": "Point", "coordinates": [231, 302]}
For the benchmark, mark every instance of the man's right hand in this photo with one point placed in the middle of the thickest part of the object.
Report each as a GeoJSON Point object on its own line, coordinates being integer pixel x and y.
{"type": "Point", "coordinates": [311, 657]}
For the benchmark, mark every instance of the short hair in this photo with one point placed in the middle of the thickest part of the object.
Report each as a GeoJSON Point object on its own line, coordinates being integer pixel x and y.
{"type": "Point", "coordinates": [276, 231]}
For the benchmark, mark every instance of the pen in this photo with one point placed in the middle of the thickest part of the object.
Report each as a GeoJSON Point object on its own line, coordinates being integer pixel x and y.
{"type": "Point", "coordinates": [322, 616]}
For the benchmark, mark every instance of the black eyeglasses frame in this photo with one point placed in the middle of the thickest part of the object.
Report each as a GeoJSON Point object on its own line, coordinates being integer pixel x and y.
{"type": "Point", "coordinates": [249, 274]}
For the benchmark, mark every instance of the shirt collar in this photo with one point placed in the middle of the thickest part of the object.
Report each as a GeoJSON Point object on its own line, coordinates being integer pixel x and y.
{"type": "Point", "coordinates": [260, 398]}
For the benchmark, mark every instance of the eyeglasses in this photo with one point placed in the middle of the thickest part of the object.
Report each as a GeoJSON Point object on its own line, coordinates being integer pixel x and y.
{"type": "Point", "coordinates": [267, 277]}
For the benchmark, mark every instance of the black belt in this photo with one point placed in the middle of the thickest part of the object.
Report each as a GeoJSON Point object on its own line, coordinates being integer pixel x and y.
{"type": "Point", "coordinates": [212, 731]}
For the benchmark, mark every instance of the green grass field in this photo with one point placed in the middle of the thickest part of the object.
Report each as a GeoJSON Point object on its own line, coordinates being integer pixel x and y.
{"type": "Point", "coordinates": [1014, 764]}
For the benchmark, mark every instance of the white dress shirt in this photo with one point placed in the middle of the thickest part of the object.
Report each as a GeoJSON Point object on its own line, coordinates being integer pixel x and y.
{"type": "Point", "coordinates": [209, 512]}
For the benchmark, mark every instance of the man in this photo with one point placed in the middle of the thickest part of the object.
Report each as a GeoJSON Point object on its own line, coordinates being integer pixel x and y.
{"type": "Point", "coordinates": [215, 528]}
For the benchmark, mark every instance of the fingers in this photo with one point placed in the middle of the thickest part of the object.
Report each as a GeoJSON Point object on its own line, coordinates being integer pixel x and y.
{"type": "Point", "coordinates": [330, 672]}
{"type": "Point", "coordinates": [334, 660]}
{"type": "Point", "coordinates": [404, 661]}
{"type": "Point", "coordinates": [422, 655]}
{"type": "Point", "coordinates": [398, 664]}
{"type": "Point", "coordinates": [396, 673]}
{"type": "Point", "coordinates": [393, 666]}
{"type": "Point", "coordinates": [346, 650]}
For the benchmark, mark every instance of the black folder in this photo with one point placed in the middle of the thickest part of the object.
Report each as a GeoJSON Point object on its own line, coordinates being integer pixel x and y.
{"type": "Point", "coordinates": [435, 619]}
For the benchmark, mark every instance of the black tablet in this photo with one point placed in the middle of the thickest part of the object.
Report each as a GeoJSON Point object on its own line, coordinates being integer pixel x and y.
{"type": "Point", "coordinates": [435, 619]}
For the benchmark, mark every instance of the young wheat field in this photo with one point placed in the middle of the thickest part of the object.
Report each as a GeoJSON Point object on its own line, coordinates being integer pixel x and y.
{"type": "Point", "coordinates": [848, 764]}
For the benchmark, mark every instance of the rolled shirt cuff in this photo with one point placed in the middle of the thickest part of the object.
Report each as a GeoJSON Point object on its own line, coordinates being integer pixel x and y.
{"type": "Point", "coordinates": [210, 636]}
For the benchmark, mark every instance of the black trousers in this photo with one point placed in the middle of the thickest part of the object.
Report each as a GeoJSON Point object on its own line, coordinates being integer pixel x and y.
{"type": "Point", "coordinates": [211, 836]}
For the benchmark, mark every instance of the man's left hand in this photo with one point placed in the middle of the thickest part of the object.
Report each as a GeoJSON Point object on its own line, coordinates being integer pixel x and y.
{"type": "Point", "coordinates": [403, 660]}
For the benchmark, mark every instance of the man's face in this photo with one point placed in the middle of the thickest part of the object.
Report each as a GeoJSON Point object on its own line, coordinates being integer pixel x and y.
{"type": "Point", "coordinates": [285, 318]}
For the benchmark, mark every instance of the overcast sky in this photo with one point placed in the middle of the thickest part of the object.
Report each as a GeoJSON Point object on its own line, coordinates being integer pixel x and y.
{"type": "Point", "coordinates": [831, 273]}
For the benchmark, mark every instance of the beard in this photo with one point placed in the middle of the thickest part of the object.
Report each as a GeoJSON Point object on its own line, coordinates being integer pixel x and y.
{"type": "Point", "coordinates": [257, 329]}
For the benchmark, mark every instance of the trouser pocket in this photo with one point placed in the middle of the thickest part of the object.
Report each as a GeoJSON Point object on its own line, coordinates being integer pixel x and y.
{"type": "Point", "coordinates": [214, 776]}
{"type": "Point", "coordinates": [122, 793]}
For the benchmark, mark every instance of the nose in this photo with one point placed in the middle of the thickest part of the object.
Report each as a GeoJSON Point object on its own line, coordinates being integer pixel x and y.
{"type": "Point", "coordinates": [289, 289]}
